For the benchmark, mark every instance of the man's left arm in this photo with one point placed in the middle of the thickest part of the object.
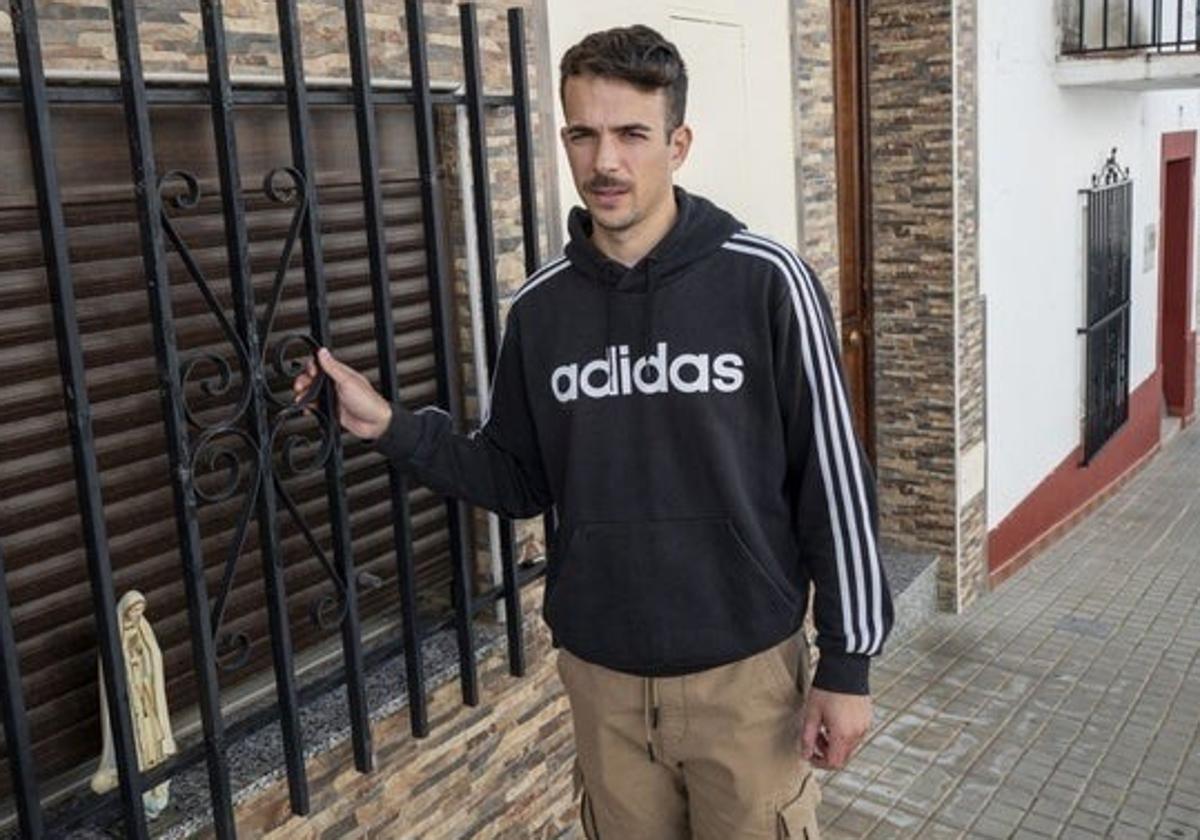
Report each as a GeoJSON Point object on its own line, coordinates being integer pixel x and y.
{"type": "Point", "coordinates": [832, 487]}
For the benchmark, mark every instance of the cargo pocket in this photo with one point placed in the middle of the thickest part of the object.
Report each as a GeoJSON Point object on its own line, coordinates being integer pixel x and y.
{"type": "Point", "coordinates": [587, 814]}
{"type": "Point", "coordinates": [797, 819]}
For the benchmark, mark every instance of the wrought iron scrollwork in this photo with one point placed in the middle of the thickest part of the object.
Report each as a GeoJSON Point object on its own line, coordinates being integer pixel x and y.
{"type": "Point", "coordinates": [219, 456]}
{"type": "Point", "coordinates": [233, 651]}
{"type": "Point", "coordinates": [329, 611]}
{"type": "Point", "coordinates": [218, 383]}
{"type": "Point", "coordinates": [299, 452]}
{"type": "Point", "coordinates": [279, 191]}
{"type": "Point", "coordinates": [1111, 173]}
{"type": "Point", "coordinates": [226, 450]}
{"type": "Point", "coordinates": [287, 365]}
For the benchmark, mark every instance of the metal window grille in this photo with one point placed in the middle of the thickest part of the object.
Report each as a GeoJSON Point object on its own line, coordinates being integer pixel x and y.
{"type": "Point", "coordinates": [1109, 237]}
{"type": "Point", "coordinates": [241, 440]}
{"type": "Point", "coordinates": [1097, 26]}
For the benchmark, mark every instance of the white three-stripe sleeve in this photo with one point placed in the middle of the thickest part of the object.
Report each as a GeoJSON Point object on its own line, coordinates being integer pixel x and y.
{"type": "Point", "coordinates": [830, 479]}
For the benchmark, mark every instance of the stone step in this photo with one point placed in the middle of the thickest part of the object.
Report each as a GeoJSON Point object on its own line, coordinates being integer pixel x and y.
{"type": "Point", "coordinates": [912, 578]}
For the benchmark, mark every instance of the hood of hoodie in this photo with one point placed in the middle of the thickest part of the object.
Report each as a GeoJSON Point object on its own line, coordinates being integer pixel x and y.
{"type": "Point", "coordinates": [700, 228]}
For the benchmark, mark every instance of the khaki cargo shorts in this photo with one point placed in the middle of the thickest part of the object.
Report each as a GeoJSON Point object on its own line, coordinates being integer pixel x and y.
{"type": "Point", "coordinates": [713, 755]}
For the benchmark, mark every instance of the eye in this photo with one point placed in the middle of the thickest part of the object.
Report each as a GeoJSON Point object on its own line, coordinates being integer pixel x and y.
{"type": "Point", "coordinates": [634, 134]}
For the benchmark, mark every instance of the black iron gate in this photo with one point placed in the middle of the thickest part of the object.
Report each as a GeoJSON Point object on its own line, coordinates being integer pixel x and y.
{"type": "Point", "coordinates": [243, 446]}
{"type": "Point", "coordinates": [1109, 237]}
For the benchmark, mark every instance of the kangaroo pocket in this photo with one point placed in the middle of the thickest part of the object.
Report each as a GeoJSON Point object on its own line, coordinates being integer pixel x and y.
{"type": "Point", "coordinates": [665, 596]}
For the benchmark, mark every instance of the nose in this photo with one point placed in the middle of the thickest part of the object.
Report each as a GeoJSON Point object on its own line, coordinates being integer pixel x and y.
{"type": "Point", "coordinates": [607, 159]}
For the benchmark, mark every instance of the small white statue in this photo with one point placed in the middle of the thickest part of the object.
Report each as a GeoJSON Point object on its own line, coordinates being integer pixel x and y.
{"type": "Point", "coordinates": [147, 703]}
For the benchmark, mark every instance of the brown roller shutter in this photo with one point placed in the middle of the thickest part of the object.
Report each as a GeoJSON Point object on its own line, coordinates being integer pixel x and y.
{"type": "Point", "coordinates": [39, 522]}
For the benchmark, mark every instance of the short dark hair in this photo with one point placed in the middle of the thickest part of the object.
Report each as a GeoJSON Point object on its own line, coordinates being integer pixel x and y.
{"type": "Point", "coordinates": [635, 54]}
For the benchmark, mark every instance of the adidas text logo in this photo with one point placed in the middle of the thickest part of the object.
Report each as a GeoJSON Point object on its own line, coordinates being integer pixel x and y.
{"type": "Point", "coordinates": [614, 374]}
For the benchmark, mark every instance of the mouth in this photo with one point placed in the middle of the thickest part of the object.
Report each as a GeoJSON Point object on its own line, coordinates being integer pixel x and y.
{"type": "Point", "coordinates": [608, 196]}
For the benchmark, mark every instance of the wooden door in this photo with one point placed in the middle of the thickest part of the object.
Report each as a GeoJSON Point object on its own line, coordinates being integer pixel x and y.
{"type": "Point", "coordinates": [854, 211]}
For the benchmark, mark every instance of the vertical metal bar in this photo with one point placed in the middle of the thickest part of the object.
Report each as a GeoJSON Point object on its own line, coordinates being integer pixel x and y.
{"type": "Point", "coordinates": [1178, 25]}
{"type": "Point", "coordinates": [1115, 237]}
{"type": "Point", "coordinates": [1099, 331]}
{"type": "Point", "coordinates": [469, 30]}
{"type": "Point", "coordinates": [16, 725]}
{"type": "Point", "coordinates": [526, 175]}
{"type": "Point", "coordinates": [242, 285]}
{"type": "Point", "coordinates": [137, 118]}
{"type": "Point", "coordinates": [1102, 292]}
{"type": "Point", "coordinates": [1127, 261]}
{"type": "Point", "coordinates": [1129, 23]}
{"type": "Point", "coordinates": [1099, 291]}
{"type": "Point", "coordinates": [385, 349]}
{"type": "Point", "coordinates": [75, 392]}
{"type": "Point", "coordinates": [432, 218]}
{"type": "Point", "coordinates": [318, 316]}
{"type": "Point", "coordinates": [1082, 38]}
{"type": "Point", "coordinates": [1101, 258]}
{"type": "Point", "coordinates": [477, 125]}
{"type": "Point", "coordinates": [1104, 25]}
{"type": "Point", "coordinates": [1123, 295]}
{"type": "Point", "coordinates": [1089, 342]}
{"type": "Point", "coordinates": [1090, 267]}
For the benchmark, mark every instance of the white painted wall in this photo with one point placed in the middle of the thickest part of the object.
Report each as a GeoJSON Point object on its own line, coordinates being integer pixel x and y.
{"type": "Point", "coordinates": [1038, 146]}
{"type": "Point", "coordinates": [740, 98]}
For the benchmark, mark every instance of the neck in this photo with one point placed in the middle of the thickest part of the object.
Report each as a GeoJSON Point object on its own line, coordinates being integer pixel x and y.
{"type": "Point", "coordinates": [628, 246]}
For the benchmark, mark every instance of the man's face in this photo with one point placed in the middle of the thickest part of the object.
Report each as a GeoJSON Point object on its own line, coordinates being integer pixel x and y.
{"type": "Point", "coordinates": [621, 158]}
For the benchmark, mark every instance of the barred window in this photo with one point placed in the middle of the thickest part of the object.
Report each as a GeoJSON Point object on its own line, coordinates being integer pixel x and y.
{"type": "Point", "coordinates": [1108, 239]}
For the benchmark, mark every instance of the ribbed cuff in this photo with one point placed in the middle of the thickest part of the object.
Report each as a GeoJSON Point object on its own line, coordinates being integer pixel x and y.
{"type": "Point", "coordinates": [399, 441]}
{"type": "Point", "coordinates": [845, 673]}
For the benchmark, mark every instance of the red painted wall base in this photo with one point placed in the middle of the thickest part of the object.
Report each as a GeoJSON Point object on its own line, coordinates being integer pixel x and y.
{"type": "Point", "coordinates": [1187, 411]}
{"type": "Point", "coordinates": [1072, 491]}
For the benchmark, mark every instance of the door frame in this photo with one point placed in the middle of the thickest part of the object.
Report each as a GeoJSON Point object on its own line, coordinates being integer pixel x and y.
{"type": "Point", "coordinates": [854, 211]}
{"type": "Point", "coordinates": [1177, 146]}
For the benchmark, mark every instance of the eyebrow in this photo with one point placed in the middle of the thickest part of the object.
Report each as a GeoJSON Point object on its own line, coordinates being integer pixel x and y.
{"type": "Point", "coordinates": [626, 127]}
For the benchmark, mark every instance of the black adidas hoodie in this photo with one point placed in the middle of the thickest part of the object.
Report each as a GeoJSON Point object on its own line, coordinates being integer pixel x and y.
{"type": "Point", "coordinates": [688, 420]}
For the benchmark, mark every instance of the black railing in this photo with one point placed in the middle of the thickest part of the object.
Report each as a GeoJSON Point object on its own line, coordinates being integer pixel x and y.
{"type": "Point", "coordinates": [1098, 26]}
{"type": "Point", "coordinates": [1109, 237]}
{"type": "Point", "coordinates": [258, 439]}
{"type": "Point", "coordinates": [16, 726]}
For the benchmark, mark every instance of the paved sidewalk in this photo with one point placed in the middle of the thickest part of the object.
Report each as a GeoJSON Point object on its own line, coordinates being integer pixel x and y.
{"type": "Point", "coordinates": [1064, 704]}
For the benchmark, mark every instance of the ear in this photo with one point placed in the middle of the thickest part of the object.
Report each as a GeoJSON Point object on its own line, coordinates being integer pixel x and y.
{"type": "Point", "coordinates": [681, 144]}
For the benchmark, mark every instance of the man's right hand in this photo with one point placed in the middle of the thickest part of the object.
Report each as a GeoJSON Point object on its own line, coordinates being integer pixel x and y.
{"type": "Point", "coordinates": [361, 410]}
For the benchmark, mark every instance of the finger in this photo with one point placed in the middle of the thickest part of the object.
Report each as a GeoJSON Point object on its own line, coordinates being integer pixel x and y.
{"type": "Point", "coordinates": [820, 752]}
{"type": "Point", "coordinates": [337, 371]}
{"type": "Point", "coordinates": [309, 371]}
{"type": "Point", "coordinates": [839, 751]}
{"type": "Point", "coordinates": [808, 736]}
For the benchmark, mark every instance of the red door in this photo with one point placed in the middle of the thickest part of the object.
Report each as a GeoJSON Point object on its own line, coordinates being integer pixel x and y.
{"type": "Point", "coordinates": [1176, 335]}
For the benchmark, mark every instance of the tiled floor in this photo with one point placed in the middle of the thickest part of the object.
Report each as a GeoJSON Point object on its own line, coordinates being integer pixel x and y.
{"type": "Point", "coordinates": [1064, 704]}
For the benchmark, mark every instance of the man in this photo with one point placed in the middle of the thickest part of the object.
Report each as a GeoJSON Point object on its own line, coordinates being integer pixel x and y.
{"type": "Point", "coordinates": [672, 386]}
